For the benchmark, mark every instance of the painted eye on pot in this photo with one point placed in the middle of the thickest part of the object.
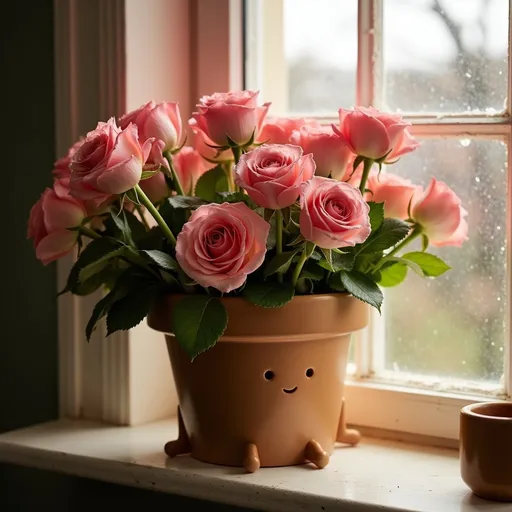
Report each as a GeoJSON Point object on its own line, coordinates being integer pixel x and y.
{"type": "Point", "coordinates": [269, 375]}
{"type": "Point", "coordinates": [310, 372]}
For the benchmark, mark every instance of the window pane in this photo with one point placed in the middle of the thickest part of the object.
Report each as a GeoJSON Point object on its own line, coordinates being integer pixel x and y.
{"type": "Point", "coordinates": [445, 55]}
{"type": "Point", "coordinates": [455, 325]}
{"type": "Point", "coordinates": [302, 54]}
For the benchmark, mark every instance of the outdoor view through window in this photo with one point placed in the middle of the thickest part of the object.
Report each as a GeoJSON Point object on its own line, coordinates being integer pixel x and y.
{"type": "Point", "coordinates": [436, 58]}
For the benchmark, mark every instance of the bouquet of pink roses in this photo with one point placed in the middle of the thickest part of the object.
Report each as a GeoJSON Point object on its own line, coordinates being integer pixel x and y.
{"type": "Point", "coordinates": [259, 207]}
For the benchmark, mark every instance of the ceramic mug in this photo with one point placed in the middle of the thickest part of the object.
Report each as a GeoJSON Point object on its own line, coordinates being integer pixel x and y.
{"type": "Point", "coordinates": [486, 449]}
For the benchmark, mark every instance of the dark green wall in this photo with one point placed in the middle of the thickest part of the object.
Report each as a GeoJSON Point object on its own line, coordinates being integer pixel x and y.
{"type": "Point", "coordinates": [28, 343]}
{"type": "Point", "coordinates": [28, 313]}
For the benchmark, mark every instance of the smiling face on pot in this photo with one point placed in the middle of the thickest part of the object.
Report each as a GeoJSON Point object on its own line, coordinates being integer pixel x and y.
{"type": "Point", "coordinates": [270, 375]}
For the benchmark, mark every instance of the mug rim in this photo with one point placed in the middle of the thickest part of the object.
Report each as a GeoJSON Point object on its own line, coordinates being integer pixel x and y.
{"type": "Point", "coordinates": [469, 410]}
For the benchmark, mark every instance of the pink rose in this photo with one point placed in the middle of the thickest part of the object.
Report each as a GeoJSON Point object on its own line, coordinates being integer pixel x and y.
{"type": "Point", "coordinates": [404, 144]}
{"type": "Point", "coordinates": [331, 156]}
{"type": "Point", "coordinates": [221, 244]}
{"type": "Point", "coordinates": [109, 161]}
{"type": "Point", "coordinates": [373, 134]}
{"type": "Point", "coordinates": [202, 144]}
{"type": "Point", "coordinates": [49, 219]}
{"type": "Point", "coordinates": [395, 192]}
{"type": "Point", "coordinates": [61, 166]}
{"type": "Point", "coordinates": [231, 114]}
{"type": "Point", "coordinates": [155, 188]}
{"type": "Point", "coordinates": [278, 130]}
{"type": "Point", "coordinates": [441, 215]}
{"type": "Point", "coordinates": [333, 214]}
{"type": "Point", "coordinates": [273, 174]}
{"type": "Point", "coordinates": [189, 166]}
{"type": "Point", "coordinates": [159, 120]}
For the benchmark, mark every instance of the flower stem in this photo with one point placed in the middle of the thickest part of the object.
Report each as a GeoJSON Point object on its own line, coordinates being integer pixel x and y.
{"type": "Point", "coordinates": [368, 163]}
{"type": "Point", "coordinates": [142, 218]}
{"type": "Point", "coordinates": [175, 179]}
{"type": "Point", "coordinates": [279, 239]}
{"type": "Point", "coordinates": [300, 264]}
{"type": "Point", "coordinates": [415, 233]}
{"type": "Point", "coordinates": [237, 153]}
{"type": "Point", "coordinates": [229, 176]}
{"type": "Point", "coordinates": [156, 215]}
{"type": "Point", "coordinates": [89, 232]}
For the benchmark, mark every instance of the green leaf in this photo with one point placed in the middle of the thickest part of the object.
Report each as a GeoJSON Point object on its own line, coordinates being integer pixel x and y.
{"type": "Point", "coordinates": [133, 196]}
{"type": "Point", "coordinates": [362, 287]}
{"type": "Point", "coordinates": [127, 282]}
{"type": "Point", "coordinates": [431, 265]}
{"type": "Point", "coordinates": [199, 322]}
{"type": "Point", "coordinates": [236, 197]}
{"type": "Point", "coordinates": [136, 228]}
{"type": "Point", "coordinates": [334, 282]}
{"type": "Point", "coordinates": [376, 215]}
{"type": "Point", "coordinates": [298, 240]}
{"type": "Point", "coordinates": [392, 275]}
{"type": "Point", "coordinates": [97, 266]}
{"type": "Point", "coordinates": [339, 262]}
{"type": "Point", "coordinates": [424, 242]}
{"type": "Point", "coordinates": [103, 277]}
{"type": "Point", "coordinates": [210, 183]}
{"type": "Point", "coordinates": [118, 227]}
{"type": "Point", "coordinates": [312, 271]}
{"type": "Point", "coordinates": [93, 250]}
{"type": "Point", "coordinates": [101, 309]}
{"type": "Point", "coordinates": [279, 263]}
{"type": "Point", "coordinates": [149, 174]}
{"type": "Point", "coordinates": [131, 309]}
{"type": "Point", "coordinates": [390, 232]}
{"type": "Point", "coordinates": [309, 249]}
{"type": "Point", "coordinates": [410, 264]}
{"type": "Point", "coordinates": [364, 262]}
{"type": "Point", "coordinates": [186, 201]}
{"type": "Point", "coordinates": [174, 217]}
{"type": "Point", "coordinates": [268, 294]}
{"type": "Point", "coordinates": [162, 259]}
{"type": "Point", "coordinates": [154, 238]}
{"type": "Point", "coordinates": [328, 259]}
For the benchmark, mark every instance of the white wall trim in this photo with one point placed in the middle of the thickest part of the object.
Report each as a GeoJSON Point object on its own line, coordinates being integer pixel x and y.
{"type": "Point", "coordinates": [90, 86]}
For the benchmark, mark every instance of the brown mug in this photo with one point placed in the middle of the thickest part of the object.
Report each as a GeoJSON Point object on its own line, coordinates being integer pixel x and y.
{"type": "Point", "coordinates": [486, 449]}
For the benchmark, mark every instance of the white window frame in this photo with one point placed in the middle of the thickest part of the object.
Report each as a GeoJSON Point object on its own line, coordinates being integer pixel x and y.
{"type": "Point", "coordinates": [126, 379]}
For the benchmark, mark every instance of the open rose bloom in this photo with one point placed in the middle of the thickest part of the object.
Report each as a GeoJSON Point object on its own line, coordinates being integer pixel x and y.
{"type": "Point", "coordinates": [253, 206]}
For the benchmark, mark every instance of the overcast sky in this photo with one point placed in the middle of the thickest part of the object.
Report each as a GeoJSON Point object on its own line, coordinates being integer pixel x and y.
{"type": "Point", "coordinates": [416, 37]}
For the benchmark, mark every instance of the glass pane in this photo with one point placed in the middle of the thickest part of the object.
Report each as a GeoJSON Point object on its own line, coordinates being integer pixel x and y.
{"type": "Point", "coordinates": [445, 55]}
{"type": "Point", "coordinates": [306, 62]}
{"type": "Point", "coordinates": [455, 325]}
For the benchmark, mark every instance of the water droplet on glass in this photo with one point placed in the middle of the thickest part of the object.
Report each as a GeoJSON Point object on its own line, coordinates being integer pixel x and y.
{"type": "Point", "coordinates": [468, 75]}
{"type": "Point", "coordinates": [465, 142]}
{"type": "Point", "coordinates": [477, 179]}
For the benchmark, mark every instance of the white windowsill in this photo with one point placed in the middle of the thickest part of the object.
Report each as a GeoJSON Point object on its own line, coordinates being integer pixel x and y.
{"type": "Point", "coordinates": [377, 475]}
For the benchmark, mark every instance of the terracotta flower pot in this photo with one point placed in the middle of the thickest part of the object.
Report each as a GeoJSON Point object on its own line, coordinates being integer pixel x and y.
{"type": "Point", "coordinates": [270, 392]}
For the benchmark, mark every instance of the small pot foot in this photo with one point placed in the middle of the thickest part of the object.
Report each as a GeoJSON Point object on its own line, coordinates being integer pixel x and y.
{"type": "Point", "coordinates": [251, 460]}
{"type": "Point", "coordinates": [181, 445]}
{"type": "Point", "coordinates": [346, 435]}
{"type": "Point", "coordinates": [316, 454]}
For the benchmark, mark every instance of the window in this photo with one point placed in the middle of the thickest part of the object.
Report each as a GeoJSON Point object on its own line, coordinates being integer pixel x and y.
{"type": "Point", "coordinates": [444, 65]}
{"type": "Point", "coordinates": [439, 345]}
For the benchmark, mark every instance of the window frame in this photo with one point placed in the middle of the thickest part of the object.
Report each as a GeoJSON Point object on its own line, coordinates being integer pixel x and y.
{"type": "Point", "coordinates": [395, 407]}
{"type": "Point", "coordinates": [111, 379]}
